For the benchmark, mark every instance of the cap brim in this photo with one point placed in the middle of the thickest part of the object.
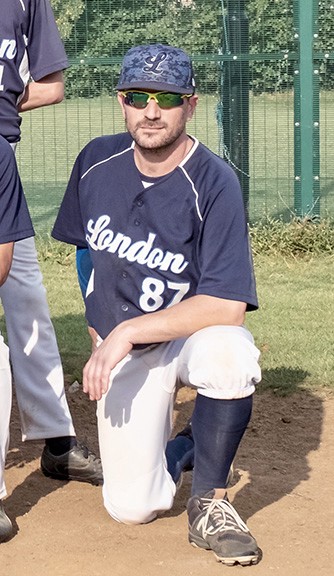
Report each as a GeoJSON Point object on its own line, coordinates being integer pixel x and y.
{"type": "Point", "coordinates": [155, 86]}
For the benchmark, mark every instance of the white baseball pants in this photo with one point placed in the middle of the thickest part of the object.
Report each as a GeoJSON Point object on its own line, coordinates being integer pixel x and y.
{"type": "Point", "coordinates": [5, 408]}
{"type": "Point", "coordinates": [36, 364]}
{"type": "Point", "coordinates": [135, 416]}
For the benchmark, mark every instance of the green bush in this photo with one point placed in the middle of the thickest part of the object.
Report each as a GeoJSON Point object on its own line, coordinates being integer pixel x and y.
{"type": "Point", "coordinates": [297, 238]}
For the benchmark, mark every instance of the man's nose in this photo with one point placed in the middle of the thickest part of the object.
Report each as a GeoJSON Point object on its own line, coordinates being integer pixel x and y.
{"type": "Point", "coordinates": [152, 109]}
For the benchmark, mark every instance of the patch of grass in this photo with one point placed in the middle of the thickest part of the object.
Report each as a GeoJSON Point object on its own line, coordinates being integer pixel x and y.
{"type": "Point", "coordinates": [293, 326]}
{"type": "Point", "coordinates": [51, 250]}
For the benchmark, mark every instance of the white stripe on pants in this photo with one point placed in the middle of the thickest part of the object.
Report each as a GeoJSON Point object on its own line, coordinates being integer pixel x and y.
{"type": "Point", "coordinates": [134, 417]}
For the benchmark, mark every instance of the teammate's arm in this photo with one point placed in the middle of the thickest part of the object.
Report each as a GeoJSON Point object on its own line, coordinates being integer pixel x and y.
{"type": "Point", "coordinates": [44, 92]}
{"type": "Point", "coordinates": [6, 254]}
{"type": "Point", "coordinates": [179, 321]}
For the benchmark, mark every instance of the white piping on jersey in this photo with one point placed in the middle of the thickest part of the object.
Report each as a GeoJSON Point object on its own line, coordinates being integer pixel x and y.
{"type": "Point", "coordinates": [194, 191]}
{"type": "Point", "coordinates": [23, 6]}
{"type": "Point", "coordinates": [24, 72]}
{"type": "Point", "coordinates": [105, 160]}
{"type": "Point", "coordinates": [90, 285]}
{"type": "Point", "coordinates": [190, 153]}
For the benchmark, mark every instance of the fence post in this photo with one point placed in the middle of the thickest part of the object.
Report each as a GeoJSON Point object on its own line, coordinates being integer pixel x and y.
{"type": "Point", "coordinates": [306, 110]}
{"type": "Point", "coordinates": [235, 93]}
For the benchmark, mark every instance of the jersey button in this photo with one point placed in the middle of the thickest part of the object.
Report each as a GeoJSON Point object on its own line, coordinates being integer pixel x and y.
{"type": "Point", "coordinates": [125, 307]}
{"type": "Point", "coordinates": [137, 222]}
{"type": "Point", "coordinates": [124, 274]}
{"type": "Point", "coordinates": [140, 203]}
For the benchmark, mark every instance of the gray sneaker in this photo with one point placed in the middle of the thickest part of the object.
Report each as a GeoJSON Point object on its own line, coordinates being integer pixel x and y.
{"type": "Point", "coordinates": [6, 527]}
{"type": "Point", "coordinates": [77, 464]}
{"type": "Point", "coordinates": [215, 525]}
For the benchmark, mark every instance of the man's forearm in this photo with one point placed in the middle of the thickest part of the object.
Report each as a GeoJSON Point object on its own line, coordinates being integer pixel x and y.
{"type": "Point", "coordinates": [47, 91]}
{"type": "Point", "coordinates": [183, 319]}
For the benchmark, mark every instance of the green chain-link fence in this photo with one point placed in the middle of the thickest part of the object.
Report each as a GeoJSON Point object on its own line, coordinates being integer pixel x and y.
{"type": "Point", "coordinates": [265, 77]}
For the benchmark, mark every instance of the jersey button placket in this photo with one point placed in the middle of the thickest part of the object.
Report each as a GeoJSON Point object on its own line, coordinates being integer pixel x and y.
{"type": "Point", "coordinates": [139, 203]}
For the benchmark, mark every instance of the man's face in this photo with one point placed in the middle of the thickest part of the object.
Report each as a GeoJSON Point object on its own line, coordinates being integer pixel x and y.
{"type": "Point", "coordinates": [156, 128]}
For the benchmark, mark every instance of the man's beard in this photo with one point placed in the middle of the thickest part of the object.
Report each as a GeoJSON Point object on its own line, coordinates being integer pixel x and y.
{"type": "Point", "coordinates": [153, 142]}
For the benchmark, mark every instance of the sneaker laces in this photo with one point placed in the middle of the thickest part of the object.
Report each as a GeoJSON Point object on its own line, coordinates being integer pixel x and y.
{"type": "Point", "coordinates": [220, 515]}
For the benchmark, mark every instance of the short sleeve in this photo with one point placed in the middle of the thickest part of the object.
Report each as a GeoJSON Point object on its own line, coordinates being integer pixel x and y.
{"type": "Point", "coordinates": [15, 222]}
{"type": "Point", "coordinates": [68, 226]}
{"type": "Point", "coordinates": [224, 255]}
{"type": "Point", "coordinates": [45, 47]}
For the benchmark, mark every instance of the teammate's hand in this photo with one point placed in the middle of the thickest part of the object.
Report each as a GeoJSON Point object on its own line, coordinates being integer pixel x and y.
{"type": "Point", "coordinates": [96, 373]}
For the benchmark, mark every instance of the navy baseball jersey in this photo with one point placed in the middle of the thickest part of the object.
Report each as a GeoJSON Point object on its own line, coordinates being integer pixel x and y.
{"type": "Point", "coordinates": [30, 47]}
{"type": "Point", "coordinates": [157, 242]}
{"type": "Point", "coordinates": [15, 222]}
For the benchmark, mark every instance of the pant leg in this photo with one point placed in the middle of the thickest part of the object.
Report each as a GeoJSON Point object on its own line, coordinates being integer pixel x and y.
{"type": "Point", "coordinates": [5, 408]}
{"type": "Point", "coordinates": [222, 363]}
{"type": "Point", "coordinates": [134, 423]}
{"type": "Point", "coordinates": [36, 364]}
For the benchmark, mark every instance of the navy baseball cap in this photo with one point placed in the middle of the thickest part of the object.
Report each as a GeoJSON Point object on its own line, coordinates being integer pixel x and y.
{"type": "Point", "coordinates": [157, 67]}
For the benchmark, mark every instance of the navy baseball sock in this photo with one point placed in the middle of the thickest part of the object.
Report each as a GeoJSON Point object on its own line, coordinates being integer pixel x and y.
{"type": "Point", "coordinates": [180, 455]}
{"type": "Point", "coordinates": [218, 426]}
{"type": "Point", "coordinates": [61, 445]}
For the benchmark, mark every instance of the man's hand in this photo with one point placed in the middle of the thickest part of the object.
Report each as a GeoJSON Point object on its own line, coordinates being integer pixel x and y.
{"type": "Point", "coordinates": [96, 373]}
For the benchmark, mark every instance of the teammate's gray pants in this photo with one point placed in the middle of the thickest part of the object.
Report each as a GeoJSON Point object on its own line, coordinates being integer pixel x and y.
{"type": "Point", "coordinates": [36, 364]}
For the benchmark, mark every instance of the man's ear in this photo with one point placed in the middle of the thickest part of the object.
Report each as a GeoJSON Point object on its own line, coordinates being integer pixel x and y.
{"type": "Point", "coordinates": [120, 99]}
{"type": "Point", "coordinates": [192, 103]}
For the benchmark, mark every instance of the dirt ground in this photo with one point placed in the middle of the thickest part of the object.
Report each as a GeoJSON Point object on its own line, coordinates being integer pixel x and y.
{"type": "Point", "coordinates": [284, 490]}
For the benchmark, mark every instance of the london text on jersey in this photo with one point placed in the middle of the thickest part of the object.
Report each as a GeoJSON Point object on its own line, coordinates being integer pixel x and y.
{"type": "Point", "coordinates": [103, 238]}
{"type": "Point", "coordinates": [8, 49]}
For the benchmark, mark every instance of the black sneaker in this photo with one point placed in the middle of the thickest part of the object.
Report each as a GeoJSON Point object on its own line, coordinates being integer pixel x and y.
{"type": "Point", "coordinates": [6, 527]}
{"type": "Point", "coordinates": [77, 464]}
{"type": "Point", "coordinates": [215, 525]}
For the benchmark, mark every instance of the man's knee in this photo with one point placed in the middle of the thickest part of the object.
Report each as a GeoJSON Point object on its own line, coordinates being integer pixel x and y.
{"type": "Point", "coordinates": [135, 515]}
{"type": "Point", "coordinates": [133, 509]}
{"type": "Point", "coordinates": [221, 362]}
